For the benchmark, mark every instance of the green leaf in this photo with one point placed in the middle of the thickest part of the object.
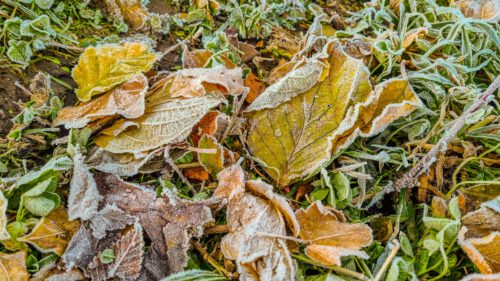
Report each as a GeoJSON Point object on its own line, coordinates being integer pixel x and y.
{"type": "Point", "coordinates": [38, 27]}
{"type": "Point", "coordinates": [13, 27]}
{"type": "Point", "coordinates": [405, 244]}
{"type": "Point", "coordinates": [44, 4]}
{"type": "Point", "coordinates": [19, 52]}
{"type": "Point", "coordinates": [107, 256]}
{"type": "Point", "coordinates": [195, 275]}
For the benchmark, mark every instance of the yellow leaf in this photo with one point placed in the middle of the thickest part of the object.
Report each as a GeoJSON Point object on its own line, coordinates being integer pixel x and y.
{"type": "Point", "coordinates": [163, 123]}
{"type": "Point", "coordinates": [126, 100]}
{"type": "Point", "coordinates": [297, 131]}
{"type": "Point", "coordinates": [13, 267]}
{"type": "Point", "coordinates": [484, 252]}
{"type": "Point", "coordinates": [212, 162]}
{"type": "Point", "coordinates": [47, 236]}
{"type": "Point", "coordinates": [101, 68]}
{"type": "Point", "coordinates": [330, 236]}
{"type": "Point", "coordinates": [412, 35]}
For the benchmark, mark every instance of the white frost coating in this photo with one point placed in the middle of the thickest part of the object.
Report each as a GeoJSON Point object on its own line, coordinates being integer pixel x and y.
{"type": "Point", "coordinates": [108, 219]}
{"type": "Point", "coordinates": [294, 83]}
{"type": "Point", "coordinates": [4, 234]}
{"type": "Point", "coordinates": [164, 123]}
{"type": "Point", "coordinates": [83, 198]}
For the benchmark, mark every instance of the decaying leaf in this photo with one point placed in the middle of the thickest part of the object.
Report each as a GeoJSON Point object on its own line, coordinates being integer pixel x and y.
{"type": "Point", "coordinates": [294, 132]}
{"type": "Point", "coordinates": [125, 164]}
{"type": "Point", "coordinates": [128, 259]}
{"type": "Point", "coordinates": [214, 123]}
{"type": "Point", "coordinates": [163, 123]}
{"type": "Point", "coordinates": [412, 35]}
{"type": "Point", "coordinates": [101, 68]}
{"type": "Point", "coordinates": [480, 236]}
{"type": "Point", "coordinates": [4, 234]}
{"type": "Point", "coordinates": [258, 257]}
{"type": "Point", "coordinates": [109, 218]}
{"type": "Point", "coordinates": [132, 12]}
{"type": "Point", "coordinates": [480, 9]}
{"type": "Point", "coordinates": [47, 236]}
{"type": "Point", "coordinates": [212, 162]}
{"type": "Point", "coordinates": [170, 222]}
{"type": "Point", "coordinates": [126, 100]}
{"type": "Point", "coordinates": [83, 198]}
{"type": "Point", "coordinates": [13, 267]}
{"type": "Point", "coordinates": [330, 236]}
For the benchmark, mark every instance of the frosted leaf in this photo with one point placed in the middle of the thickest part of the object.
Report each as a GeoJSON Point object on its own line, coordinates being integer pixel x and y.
{"type": "Point", "coordinates": [108, 219]}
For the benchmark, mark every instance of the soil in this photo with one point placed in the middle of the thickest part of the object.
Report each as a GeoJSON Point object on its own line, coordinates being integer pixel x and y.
{"type": "Point", "coordinates": [10, 97]}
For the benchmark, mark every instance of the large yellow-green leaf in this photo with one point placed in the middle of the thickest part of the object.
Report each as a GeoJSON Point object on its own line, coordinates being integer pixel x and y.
{"type": "Point", "coordinates": [101, 68]}
{"type": "Point", "coordinates": [163, 123]}
{"type": "Point", "coordinates": [294, 138]}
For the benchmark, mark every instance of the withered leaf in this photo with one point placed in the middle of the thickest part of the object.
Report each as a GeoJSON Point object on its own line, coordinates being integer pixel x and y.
{"type": "Point", "coordinates": [13, 266]}
{"type": "Point", "coordinates": [170, 222]}
{"type": "Point", "coordinates": [330, 237]}
{"type": "Point", "coordinates": [214, 123]}
{"type": "Point", "coordinates": [480, 9]}
{"type": "Point", "coordinates": [132, 12]}
{"type": "Point", "coordinates": [295, 137]}
{"type": "Point", "coordinates": [109, 218]}
{"type": "Point", "coordinates": [126, 100]}
{"type": "Point", "coordinates": [83, 198]}
{"type": "Point", "coordinates": [101, 68]}
{"type": "Point", "coordinates": [125, 164]}
{"type": "Point", "coordinates": [47, 236]}
{"type": "Point", "coordinates": [212, 162]}
{"type": "Point", "coordinates": [128, 257]}
{"type": "Point", "coordinates": [258, 257]}
{"type": "Point", "coordinates": [163, 123]}
{"type": "Point", "coordinates": [480, 236]}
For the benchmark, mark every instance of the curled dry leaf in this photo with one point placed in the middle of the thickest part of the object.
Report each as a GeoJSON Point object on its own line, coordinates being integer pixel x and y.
{"type": "Point", "coordinates": [480, 236]}
{"type": "Point", "coordinates": [13, 267]}
{"type": "Point", "coordinates": [127, 263]}
{"type": "Point", "coordinates": [163, 123]}
{"type": "Point", "coordinates": [480, 9]}
{"type": "Point", "coordinates": [126, 100]}
{"type": "Point", "coordinates": [331, 238]}
{"type": "Point", "coordinates": [258, 257]}
{"type": "Point", "coordinates": [295, 137]}
{"type": "Point", "coordinates": [83, 198]}
{"type": "Point", "coordinates": [4, 234]}
{"type": "Point", "coordinates": [101, 68]}
{"type": "Point", "coordinates": [169, 222]}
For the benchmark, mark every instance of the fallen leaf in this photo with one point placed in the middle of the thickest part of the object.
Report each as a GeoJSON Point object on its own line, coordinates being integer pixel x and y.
{"type": "Point", "coordinates": [163, 123]}
{"type": "Point", "coordinates": [213, 163]}
{"type": "Point", "coordinates": [258, 257]}
{"type": "Point", "coordinates": [195, 58]}
{"type": "Point", "coordinates": [330, 237]}
{"type": "Point", "coordinates": [47, 236]}
{"type": "Point", "coordinates": [480, 9]}
{"type": "Point", "coordinates": [109, 218]}
{"type": "Point", "coordinates": [128, 259]}
{"type": "Point", "coordinates": [214, 123]}
{"type": "Point", "coordinates": [256, 87]}
{"type": "Point", "coordinates": [125, 164]}
{"type": "Point", "coordinates": [13, 267]}
{"type": "Point", "coordinates": [196, 173]}
{"type": "Point", "coordinates": [294, 132]}
{"type": "Point", "coordinates": [101, 68]}
{"type": "Point", "coordinates": [481, 277]}
{"type": "Point", "coordinates": [83, 198]}
{"type": "Point", "coordinates": [4, 234]}
{"type": "Point", "coordinates": [133, 12]}
{"type": "Point", "coordinates": [480, 236]}
{"type": "Point", "coordinates": [126, 100]}
{"type": "Point", "coordinates": [170, 222]}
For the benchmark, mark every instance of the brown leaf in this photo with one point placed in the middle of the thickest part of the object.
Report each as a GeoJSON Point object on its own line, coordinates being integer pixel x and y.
{"type": "Point", "coordinates": [169, 222]}
{"type": "Point", "coordinates": [126, 100]}
{"type": "Point", "coordinates": [214, 123]}
{"type": "Point", "coordinates": [480, 9]}
{"type": "Point", "coordinates": [256, 87]}
{"type": "Point", "coordinates": [125, 164]}
{"type": "Point", "coordinates": [412, 35]}
{"type": "Point", "coordinates": [128, 257]}
{"type": "Point", "coordinates": [258, 257]}
{"type": "Point", "coordinates": [195, 58]}
{"type": "Point", "coordinates": [13, 266]}
{"type": "Point", "coordinates": [131, 11]}
{"type": "Point", "coordinates": [196, 173]}
{"type": "Point", "coordinates": [330, 237]}
{"type": "Point", "coordinates": [480, 236]}
{"type": "Point", "coordinates": [109, 218]}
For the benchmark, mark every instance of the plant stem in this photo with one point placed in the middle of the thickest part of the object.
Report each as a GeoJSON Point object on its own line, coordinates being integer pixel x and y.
{"type": "Point", "coordinates": [395, 248]}
{"type": "Point", "coordinates": [408, 179]}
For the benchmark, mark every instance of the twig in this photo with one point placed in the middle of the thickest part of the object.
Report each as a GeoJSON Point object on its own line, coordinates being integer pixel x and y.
{"type": "Point", "coordinates": [216, 229]}
{"type": "Point", "coordinates": [395, 248]}
{"type": "Point", "coordinates": [408, 179]}
{"type": "Point", "coordinates": [67, 47]}
{"type": "Point", "coordinates": [171, 162]}
{"type": "Point", "coordinates": [206, 256]}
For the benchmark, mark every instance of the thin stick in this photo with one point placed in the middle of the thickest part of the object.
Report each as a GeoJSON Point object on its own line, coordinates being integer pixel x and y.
{"type": "Point", "coordinates": [408, 179]}
{"type": "Point", "coordinates": [66, 47]}
{"type": "Point", "coordinates": [388, 260]}
{"type": "Point", "coordinates": [206, 256]}
{"type": "Point", "coordinates": [338, 269]}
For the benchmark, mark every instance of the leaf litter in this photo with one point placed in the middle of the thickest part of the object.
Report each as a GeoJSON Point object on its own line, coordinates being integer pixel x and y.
{"type": "Point", "coordinates": [244, 140]}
